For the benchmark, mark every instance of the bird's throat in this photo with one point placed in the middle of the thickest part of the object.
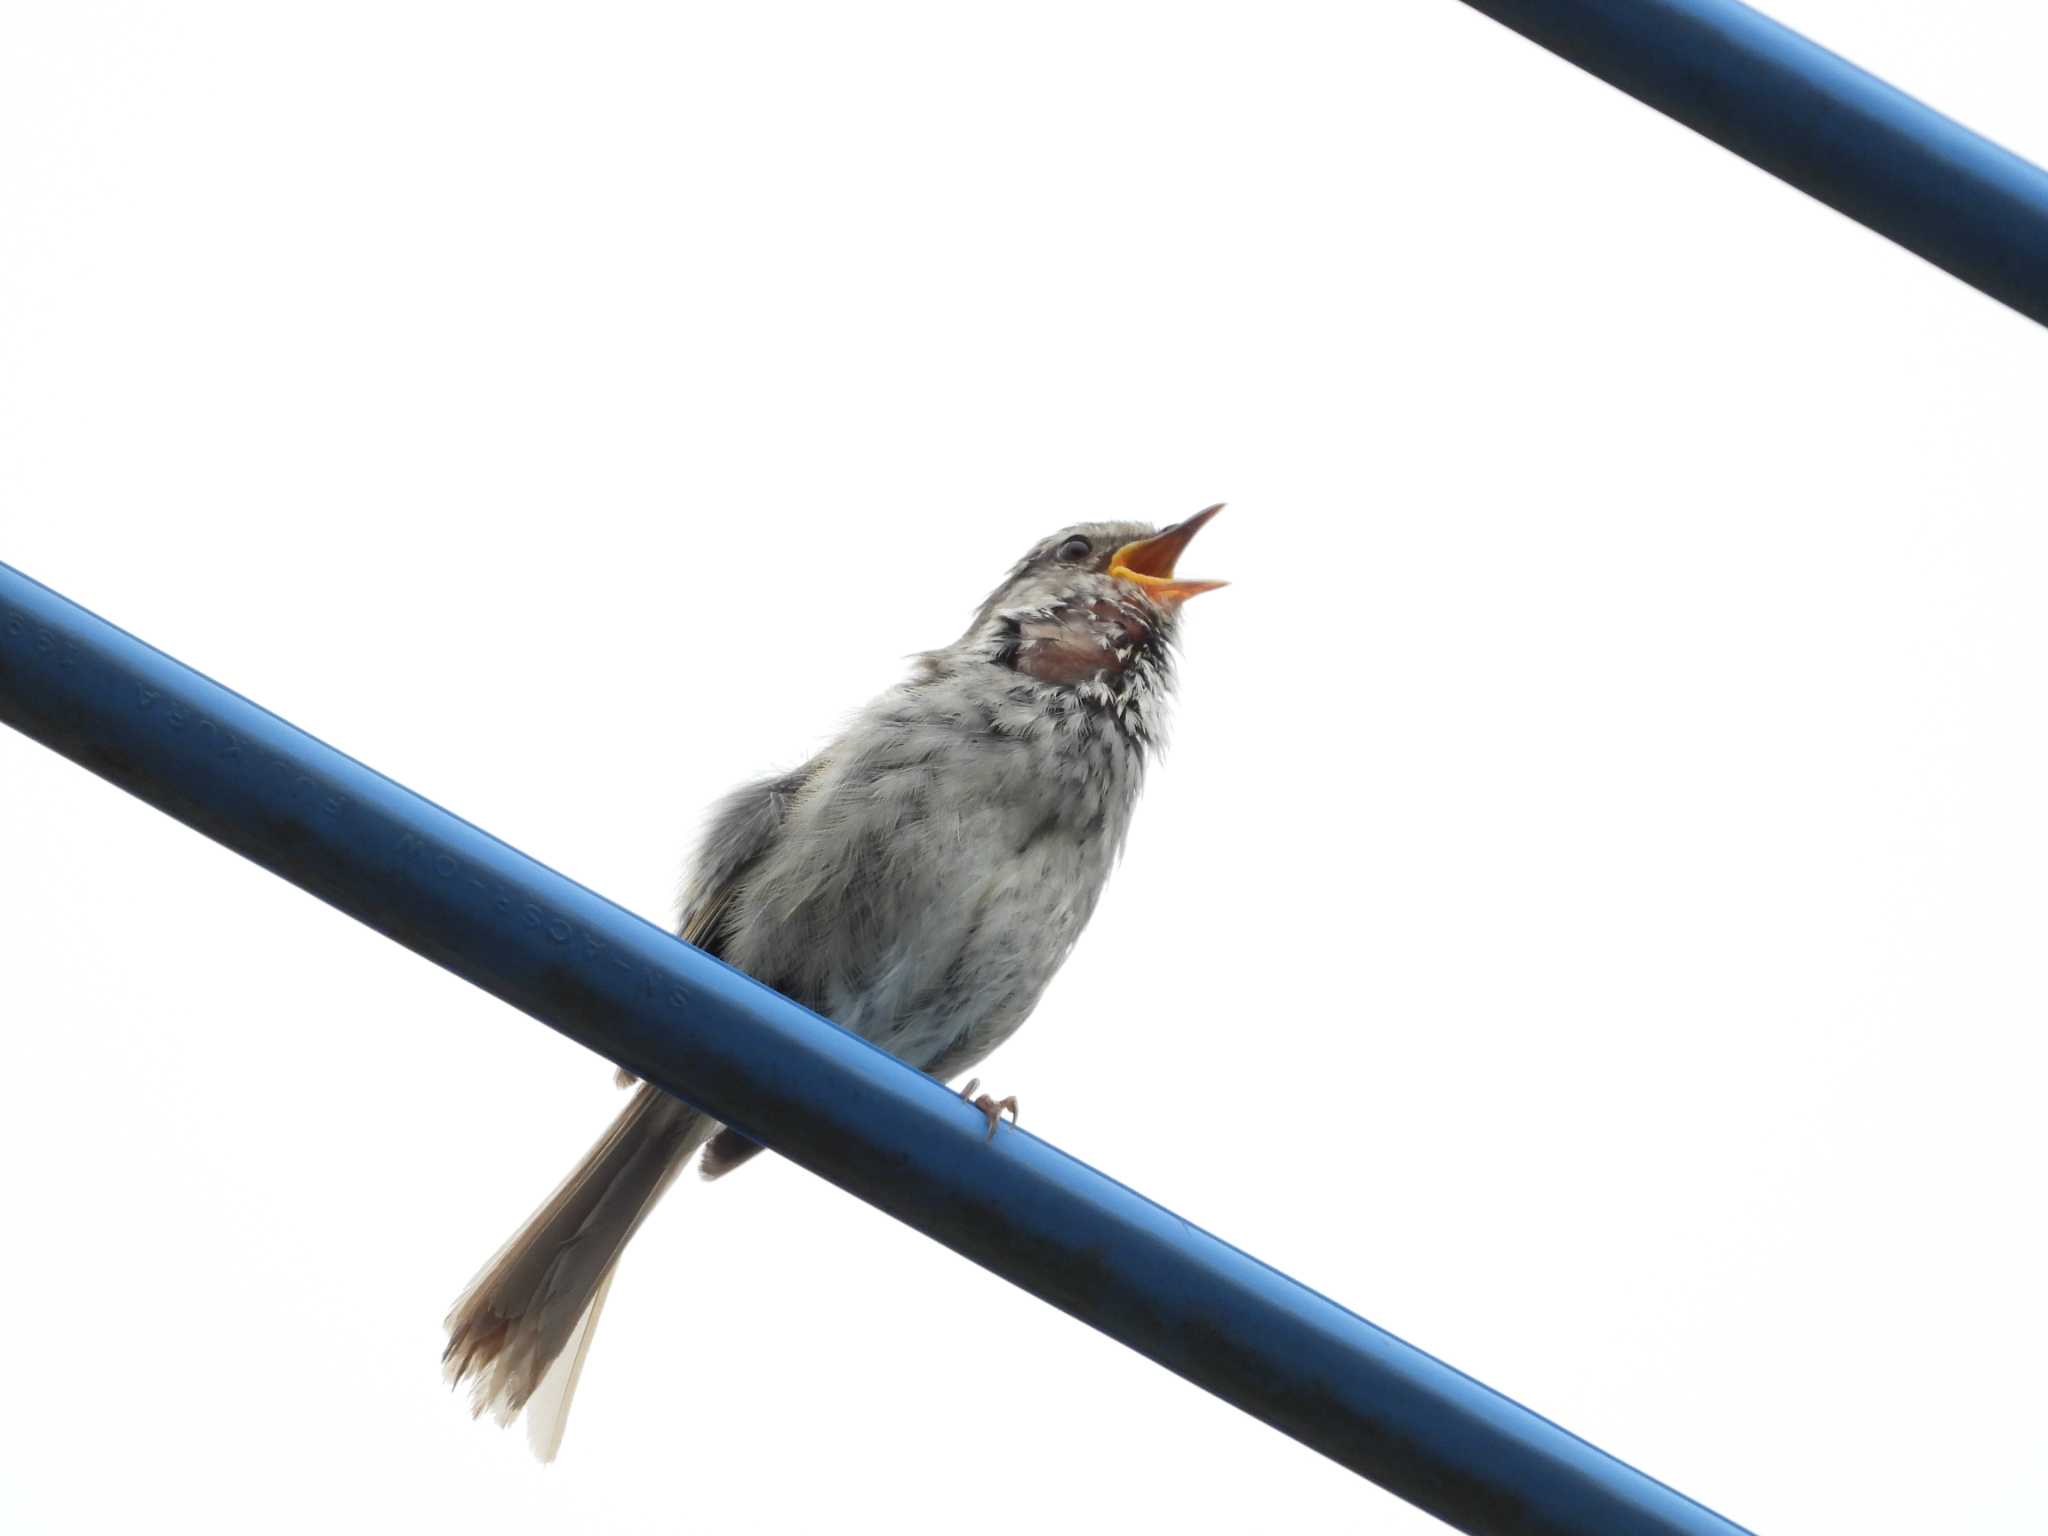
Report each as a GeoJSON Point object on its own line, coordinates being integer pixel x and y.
{"type": "Point", "coordinates": [1080, 643]}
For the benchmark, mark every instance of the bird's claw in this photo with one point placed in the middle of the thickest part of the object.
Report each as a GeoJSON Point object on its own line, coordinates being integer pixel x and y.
{"type": "Point", "coordinates": [992, 1107]}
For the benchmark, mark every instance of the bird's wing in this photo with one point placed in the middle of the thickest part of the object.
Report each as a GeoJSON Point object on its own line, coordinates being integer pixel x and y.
{"type": "Point", "coordinates": [742, 827]}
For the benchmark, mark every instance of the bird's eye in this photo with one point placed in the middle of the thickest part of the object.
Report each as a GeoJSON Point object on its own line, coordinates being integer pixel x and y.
{"type": "Point", "coordinates": [1076, 548]}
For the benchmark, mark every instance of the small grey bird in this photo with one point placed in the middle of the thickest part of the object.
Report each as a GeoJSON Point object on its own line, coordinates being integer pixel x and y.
{"type": "Point", "coordinates": [918, 882]}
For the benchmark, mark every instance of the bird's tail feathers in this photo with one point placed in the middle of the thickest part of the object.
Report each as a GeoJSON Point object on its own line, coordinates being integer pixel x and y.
{"type": "Point", "coordinates": [519, 1333]}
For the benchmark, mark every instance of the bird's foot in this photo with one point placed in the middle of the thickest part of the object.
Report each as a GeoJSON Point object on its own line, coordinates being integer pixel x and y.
{"type": "Point", "coordinates": [992, 1107]}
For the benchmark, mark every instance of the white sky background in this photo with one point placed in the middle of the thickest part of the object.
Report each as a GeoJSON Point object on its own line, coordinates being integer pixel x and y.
{"type": "Point", "coordinates": [1591, 920]}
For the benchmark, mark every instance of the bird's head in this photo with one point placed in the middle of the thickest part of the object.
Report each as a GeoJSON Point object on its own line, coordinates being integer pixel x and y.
{"type": "Point", "coordinates": [1095, 607]}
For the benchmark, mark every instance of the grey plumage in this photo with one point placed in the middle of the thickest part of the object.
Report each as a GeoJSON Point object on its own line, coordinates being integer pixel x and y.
{"type": "Point", "coordinates": [918, 882]}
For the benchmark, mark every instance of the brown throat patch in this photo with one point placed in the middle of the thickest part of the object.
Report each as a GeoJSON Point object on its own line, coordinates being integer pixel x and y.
{"type": "Point", "coordinates": [1073, 645]}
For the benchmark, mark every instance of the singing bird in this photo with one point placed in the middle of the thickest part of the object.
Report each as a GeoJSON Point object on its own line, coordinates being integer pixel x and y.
{"type": "Point", "coordinates": [918, 882]}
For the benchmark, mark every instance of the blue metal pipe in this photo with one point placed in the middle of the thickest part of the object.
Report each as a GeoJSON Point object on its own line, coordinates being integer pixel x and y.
{"type": "Point", "coordinates": [1817, 121]}
{"type": "Point", "coordinates": [813, 1092]}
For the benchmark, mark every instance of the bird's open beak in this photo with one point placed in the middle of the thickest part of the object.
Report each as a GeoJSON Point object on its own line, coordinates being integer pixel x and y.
{"type": "Point", "coordinates": [1149, 562]}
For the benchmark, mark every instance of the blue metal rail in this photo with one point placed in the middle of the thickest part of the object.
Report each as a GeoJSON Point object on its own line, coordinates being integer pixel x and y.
{"type": "Point", "coordinates": [813, 1092]}
{"type": "Point", "coordinates": [1815, 120]}
{"type": "Point", "coordinates": [881, 1131]}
